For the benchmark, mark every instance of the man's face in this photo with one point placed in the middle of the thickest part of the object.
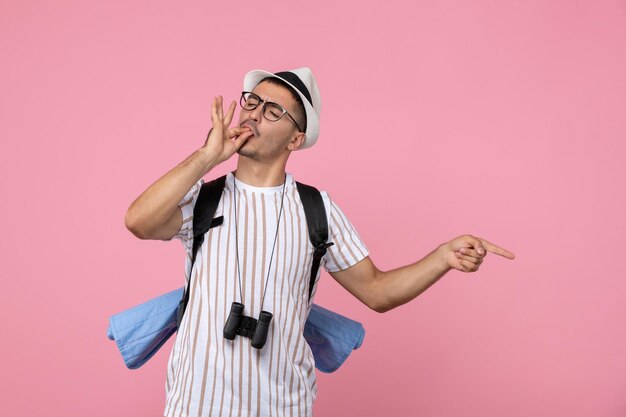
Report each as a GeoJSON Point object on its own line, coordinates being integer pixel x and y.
{"type": "Point", "coordinates": [270, 139]}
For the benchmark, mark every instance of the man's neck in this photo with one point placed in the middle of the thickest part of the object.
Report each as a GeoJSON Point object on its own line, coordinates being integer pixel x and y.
{"type": "Point", "coordinates": [258, 174]}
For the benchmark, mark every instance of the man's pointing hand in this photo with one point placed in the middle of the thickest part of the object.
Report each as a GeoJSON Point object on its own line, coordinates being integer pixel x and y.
{"type": "Point", "coordinates": [466, 253]}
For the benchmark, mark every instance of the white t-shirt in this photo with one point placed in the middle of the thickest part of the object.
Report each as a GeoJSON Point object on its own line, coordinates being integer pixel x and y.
{"type": "Point", "coordinates": [208, 375]}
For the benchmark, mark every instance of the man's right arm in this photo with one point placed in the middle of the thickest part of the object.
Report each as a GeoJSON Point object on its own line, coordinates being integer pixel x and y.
{"type": "Point", "coordinates": [155, 213]}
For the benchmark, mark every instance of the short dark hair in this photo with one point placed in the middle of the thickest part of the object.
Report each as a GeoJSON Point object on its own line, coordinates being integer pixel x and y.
{"type": "Point", "coordinates": [301, 112]}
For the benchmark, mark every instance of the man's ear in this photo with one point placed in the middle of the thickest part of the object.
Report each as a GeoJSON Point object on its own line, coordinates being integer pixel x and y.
{"type": "Point", "coordinates": [296, 141]}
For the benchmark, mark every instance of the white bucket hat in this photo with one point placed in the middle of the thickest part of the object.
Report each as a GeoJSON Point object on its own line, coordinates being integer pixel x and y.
{"type": "Point", "coordinates": [303, 82]}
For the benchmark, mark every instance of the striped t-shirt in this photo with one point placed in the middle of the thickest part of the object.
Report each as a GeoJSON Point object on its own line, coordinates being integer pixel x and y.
{"type": "Point", "coordinates": [208, 375]}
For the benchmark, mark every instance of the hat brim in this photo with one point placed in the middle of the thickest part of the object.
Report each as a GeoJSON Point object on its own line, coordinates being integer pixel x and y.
{"type": "Point", "coordinates": [253, 78]}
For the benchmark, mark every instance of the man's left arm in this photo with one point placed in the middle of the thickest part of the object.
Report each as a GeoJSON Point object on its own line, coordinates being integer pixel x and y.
{"type": "Point", "coordinates": [385, 290]}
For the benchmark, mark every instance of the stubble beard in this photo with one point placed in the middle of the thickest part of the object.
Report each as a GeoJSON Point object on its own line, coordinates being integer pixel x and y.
{"type": "Point", "coordinates": [247, 152]}
{"type": "Point", "coordinates": [242, 151]}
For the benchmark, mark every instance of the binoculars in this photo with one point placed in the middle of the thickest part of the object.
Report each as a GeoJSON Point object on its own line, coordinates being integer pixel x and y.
{"type": "Point", "coordinates": [238, 324]}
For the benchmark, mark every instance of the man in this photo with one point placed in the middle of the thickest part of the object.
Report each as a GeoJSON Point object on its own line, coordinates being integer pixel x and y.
{"type": "Point", "coordinates": [260, 256]}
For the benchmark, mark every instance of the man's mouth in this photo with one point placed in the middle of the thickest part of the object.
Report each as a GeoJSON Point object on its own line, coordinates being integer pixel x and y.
{"type": "Point", "coordinates": [251, 125]}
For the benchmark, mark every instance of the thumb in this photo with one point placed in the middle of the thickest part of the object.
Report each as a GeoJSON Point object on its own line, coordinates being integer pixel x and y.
{"type": "Point", "coordinates": [460, 242]}
{"type": "Point", "coordinates": [475, 242]}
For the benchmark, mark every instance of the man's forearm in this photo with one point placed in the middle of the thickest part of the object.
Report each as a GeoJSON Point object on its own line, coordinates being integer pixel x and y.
{"type": "Point", "coordinates": [158, 202]}
{"type": "Point", "coordinates": [403, 284]}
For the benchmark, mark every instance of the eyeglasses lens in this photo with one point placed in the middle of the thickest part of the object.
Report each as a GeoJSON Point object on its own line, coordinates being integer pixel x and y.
{"type": "Point", "coordinates": [271, 111]}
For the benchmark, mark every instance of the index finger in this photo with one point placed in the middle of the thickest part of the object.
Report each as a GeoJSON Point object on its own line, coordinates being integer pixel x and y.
{"type": "Point", "coordinates": [497, 249]}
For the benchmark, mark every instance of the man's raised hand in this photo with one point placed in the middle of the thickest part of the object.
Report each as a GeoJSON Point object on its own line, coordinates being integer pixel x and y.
{"type": "Point", "coordinates": [466, 253]}
{"type": "Point", "coordinates": [222, 142]}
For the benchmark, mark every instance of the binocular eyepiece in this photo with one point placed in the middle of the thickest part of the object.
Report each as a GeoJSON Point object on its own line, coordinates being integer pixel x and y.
{"type": "Point", "coordinates": [238, 324]}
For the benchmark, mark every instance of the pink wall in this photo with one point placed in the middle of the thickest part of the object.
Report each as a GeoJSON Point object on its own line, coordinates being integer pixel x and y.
{"type": "Point", "coordinates": [503, 119]}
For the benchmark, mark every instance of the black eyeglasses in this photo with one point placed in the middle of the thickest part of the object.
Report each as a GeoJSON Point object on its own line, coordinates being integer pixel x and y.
{"type": "Point", "coordinates": [271, 111]}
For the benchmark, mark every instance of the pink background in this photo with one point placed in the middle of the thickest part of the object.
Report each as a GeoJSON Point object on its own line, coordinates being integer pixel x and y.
{"type": "Point", "coordinates": [502, 119]}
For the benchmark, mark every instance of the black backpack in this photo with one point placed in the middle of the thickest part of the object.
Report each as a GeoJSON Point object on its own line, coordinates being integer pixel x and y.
{"type": "Point", "coordinates": [206, 205]}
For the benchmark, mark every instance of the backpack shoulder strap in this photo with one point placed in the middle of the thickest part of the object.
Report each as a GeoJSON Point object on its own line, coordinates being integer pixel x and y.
{"type": "Point", "coordinates": [317, 223]}
{"type": "Point", "coordinates": [203, 212]}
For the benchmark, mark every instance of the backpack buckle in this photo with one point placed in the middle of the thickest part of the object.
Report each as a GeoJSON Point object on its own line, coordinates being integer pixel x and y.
{"type": "Point", "coordinates": [320, 250]}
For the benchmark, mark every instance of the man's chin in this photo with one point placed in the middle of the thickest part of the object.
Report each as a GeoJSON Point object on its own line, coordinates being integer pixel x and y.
{"type": "Point", "coordinates": [243, 151]}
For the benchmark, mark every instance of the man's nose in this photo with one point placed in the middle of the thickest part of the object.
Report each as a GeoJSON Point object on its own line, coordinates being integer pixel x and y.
{"type": "Point", "coordinates": [257, 114]}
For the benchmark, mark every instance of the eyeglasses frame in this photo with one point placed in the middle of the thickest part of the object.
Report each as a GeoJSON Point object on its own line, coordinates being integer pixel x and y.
{"type": "Point", "coordinates": [264, 102]}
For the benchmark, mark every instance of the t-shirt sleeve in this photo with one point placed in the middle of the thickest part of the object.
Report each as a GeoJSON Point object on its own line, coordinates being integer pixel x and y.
{"type": "Point", "coordinates": [348, 248]}
{"type": "Point", "coordinates": [188, 202]}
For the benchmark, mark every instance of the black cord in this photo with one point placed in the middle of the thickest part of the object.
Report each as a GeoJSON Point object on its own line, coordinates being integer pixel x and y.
{"type": "Point", "coordinates": [273, 245]}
